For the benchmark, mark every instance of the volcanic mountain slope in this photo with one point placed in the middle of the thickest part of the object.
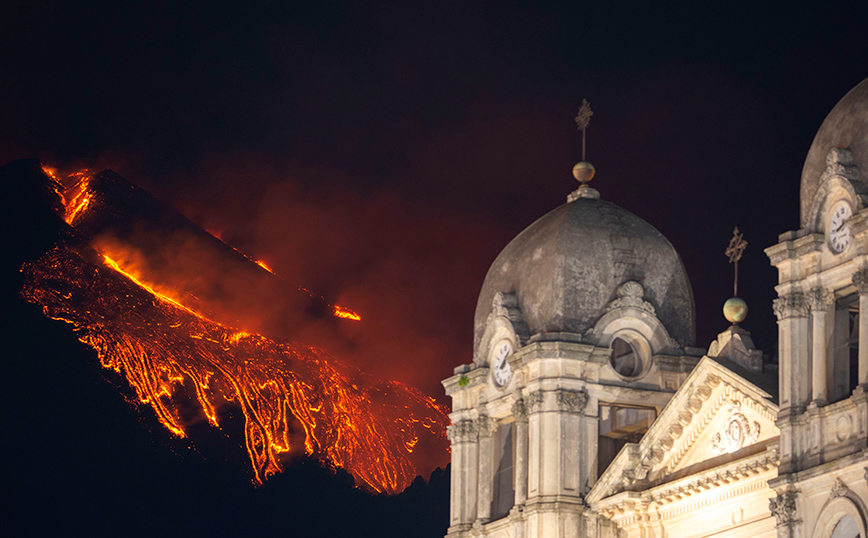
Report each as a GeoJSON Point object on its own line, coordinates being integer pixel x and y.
{"type": "Point", "coordinates": [147, 237]}
{"type": "Point", "coordinates": [188, 368]}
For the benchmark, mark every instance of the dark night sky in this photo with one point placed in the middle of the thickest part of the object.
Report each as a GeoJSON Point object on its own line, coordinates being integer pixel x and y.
{"type": "Point", "coordinates": [383, 154]}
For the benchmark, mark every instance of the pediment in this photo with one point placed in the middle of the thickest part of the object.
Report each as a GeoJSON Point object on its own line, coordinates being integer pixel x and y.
{"type": "Point", "coordinates": [715, 417]}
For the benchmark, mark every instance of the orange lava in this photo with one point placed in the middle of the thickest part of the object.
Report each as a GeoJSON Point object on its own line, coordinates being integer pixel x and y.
{"type": "Point", "coordinates": [346, 313]}
{"type": "Point", "coordinates": [294, 398]}
{"type": "Point", "coordinates": [288, 393]}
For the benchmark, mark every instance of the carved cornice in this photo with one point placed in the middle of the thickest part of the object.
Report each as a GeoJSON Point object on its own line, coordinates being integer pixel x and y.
{"type": "Point", "coordinates": [462, 432]}
{"type": "Point", "coordinates": [793, 305]}
{"type": "Point", "coordinates": [819, 299]}
{"type": "Point", "coordinates": [631, 294]}
{"type": "Point", "coordinates": [678, 491]}
{"type": "Point", "coordinates": [519, 410]}
{"type": "Point", "coordinates": [572, 401]}
{"type": "Point", "coordinates": [860, 280]}
{"type": "Point", "coordinates": [783, 507]}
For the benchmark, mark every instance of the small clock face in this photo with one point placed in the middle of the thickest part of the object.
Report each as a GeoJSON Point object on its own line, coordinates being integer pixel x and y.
{"type": "Point", "coordinates": [839, 232]}
{"type": "Point", "coordinates": [500, 367]}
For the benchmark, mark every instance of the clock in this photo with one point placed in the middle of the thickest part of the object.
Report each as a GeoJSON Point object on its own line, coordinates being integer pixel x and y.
{"type": "Point", "coordinates": [501, 371]}
{"type": "Point", "coordinates": [839, 232]}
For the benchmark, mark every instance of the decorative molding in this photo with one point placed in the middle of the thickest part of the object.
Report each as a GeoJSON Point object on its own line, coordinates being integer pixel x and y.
{"type": "Point", "coordinates": [462, 432]}
{"type": "Point", "coordinates": [738, 432]}
{"type": "Point", "coordinates": [519, 410]}
{"type": "Point", "coordinates": [839, 162]}
{"type": "Point", "coordinates": [631, 294]}
{"type": "Point", "coordinates": [485, 426]}
{"type": "Point", "coordinates": [793, 305]}
{"type": "Point", "coordinates": [819, 299]}
{"type": "Point", "coordinates": [572, 401]}
{"type": "Point", "coordinates": [669, 499]}
{"type": "Point", "coordinates": [860, 280]}
{"type": "Point", "coordinates": [783, 507]}
{"type": "Point", "coordinates": [839, 489]}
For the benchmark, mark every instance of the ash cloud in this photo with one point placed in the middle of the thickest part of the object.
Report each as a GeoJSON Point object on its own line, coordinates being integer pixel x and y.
{"type": "Point", "coordinates": [411, 270]}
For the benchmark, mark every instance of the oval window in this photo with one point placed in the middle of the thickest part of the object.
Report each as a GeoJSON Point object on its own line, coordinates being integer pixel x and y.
{"type": "Point", "coordinates": [625, 359]}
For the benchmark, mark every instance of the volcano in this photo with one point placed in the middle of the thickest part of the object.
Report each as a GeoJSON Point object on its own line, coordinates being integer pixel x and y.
{"type": "Point", "coordinates": [185, 320]}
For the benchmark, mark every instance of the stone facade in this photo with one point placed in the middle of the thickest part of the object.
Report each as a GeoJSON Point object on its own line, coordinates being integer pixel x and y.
{"type": "Point", "coordinates": [605, 422]}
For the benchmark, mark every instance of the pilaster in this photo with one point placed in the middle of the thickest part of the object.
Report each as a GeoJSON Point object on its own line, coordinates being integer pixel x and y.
{"type": "Point", "coordinates": [484, 428]}
{"type": "Point", "coordinates": [794, 375]}
{"type": "Point", "coordinates": [519, 411]}
{"type": "Point", "coordinates": [462, 502]}
{"type": "Point", "coordinates": [819, 300]}
{"type": "Point", "coordinates": [860, 280]}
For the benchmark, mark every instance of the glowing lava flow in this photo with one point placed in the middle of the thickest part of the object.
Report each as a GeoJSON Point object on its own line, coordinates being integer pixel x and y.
{"type": "Point", "coordinates": [284, 390]}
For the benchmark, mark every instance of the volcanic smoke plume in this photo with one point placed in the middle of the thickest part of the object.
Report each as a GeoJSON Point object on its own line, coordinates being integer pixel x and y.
{"type": "Point", "coordinates": [170, 328]}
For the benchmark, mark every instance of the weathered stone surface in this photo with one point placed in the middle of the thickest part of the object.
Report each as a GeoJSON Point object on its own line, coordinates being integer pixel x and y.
{"type": "Point", "coordinates": [567, 266]}
{"type": "Point", "coordinates": [844, 127]}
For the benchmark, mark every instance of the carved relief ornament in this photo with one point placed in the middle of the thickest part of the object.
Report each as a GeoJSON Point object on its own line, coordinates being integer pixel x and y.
{"type": "Point", "coordinates": [738, 432]}
{"type": "Point", "coordinates": [462, 432]}
{"type": "Point", "coordinates": [819, 299]}
{"type": "Point", "coordinates": [794, 305]}
{"type": "Point", "coordinates": [860, 280]}
{"type": "Point", "coordinates": [535, 401]}
{"type": "Point", "coordinates": [630, 293]}
{"type": "Point", "coordinates": [783, 507]}
{"type": "Point", "coordinates": [519, 410]}
{"type": "Point", "coordinates": [572, 401]}
{"type": "Point", "coordinates": [839, 489]}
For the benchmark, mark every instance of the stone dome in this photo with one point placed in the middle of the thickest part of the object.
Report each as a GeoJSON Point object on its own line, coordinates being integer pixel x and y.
{"type": "Point", "coordinates": [565, 268]}
{"type": "Point", "coordinates": [844, 127]}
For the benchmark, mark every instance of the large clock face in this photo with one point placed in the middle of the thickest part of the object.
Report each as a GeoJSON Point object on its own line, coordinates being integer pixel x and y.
{"type": "Point", "coordinates": [501, 370]}
{"type": "Point", "coordinates": [839, 232]}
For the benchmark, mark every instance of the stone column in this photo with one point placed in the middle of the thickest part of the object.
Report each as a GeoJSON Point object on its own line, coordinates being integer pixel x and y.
{"type": "Point", "coordinates": [860, 280]}
{"type": "Point", "coordinates": [484, 427]}
{"type": "Point", "coordinates": [519, 411]}
{"type": "Point", "coordinates": [794, 374]}
{"type": "Point", "coordinates": [819, 300]}
{"type": "Point", "coordinates": [462, 502]}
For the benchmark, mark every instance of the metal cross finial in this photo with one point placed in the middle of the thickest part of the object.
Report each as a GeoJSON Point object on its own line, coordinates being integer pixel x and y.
{"type": "Point", "coordinates": [735, 249]}
{"type": "Point", "coordinates": [582, 121]}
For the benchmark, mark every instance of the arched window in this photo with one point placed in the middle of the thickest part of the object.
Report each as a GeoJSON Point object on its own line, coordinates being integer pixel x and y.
{"type": "Point", "coordinates": [846, 528]}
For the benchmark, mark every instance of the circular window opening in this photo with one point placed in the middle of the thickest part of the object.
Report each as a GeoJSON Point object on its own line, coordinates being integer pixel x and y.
{"type": "Point", "coordinates": [625, 359]}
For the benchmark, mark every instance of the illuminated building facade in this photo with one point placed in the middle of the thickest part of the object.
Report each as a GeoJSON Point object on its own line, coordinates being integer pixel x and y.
{"type": "Point", "coordinates": [588, 412]}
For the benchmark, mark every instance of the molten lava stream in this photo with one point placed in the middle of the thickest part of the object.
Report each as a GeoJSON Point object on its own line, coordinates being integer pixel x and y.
{"type": "Point", "coordinates": [368, 426]}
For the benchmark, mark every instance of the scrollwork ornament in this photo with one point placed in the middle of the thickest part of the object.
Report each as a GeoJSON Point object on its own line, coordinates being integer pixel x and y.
{"type": "Point", "coordinates": [793, 305]}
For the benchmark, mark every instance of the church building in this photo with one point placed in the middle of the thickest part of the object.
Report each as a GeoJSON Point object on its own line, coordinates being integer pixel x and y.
{"type": "Point", "coordinates": [588, 412]}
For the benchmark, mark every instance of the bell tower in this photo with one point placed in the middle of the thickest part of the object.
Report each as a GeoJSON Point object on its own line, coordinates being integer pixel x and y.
{"type": "Point", "coordinates": [583, 331]}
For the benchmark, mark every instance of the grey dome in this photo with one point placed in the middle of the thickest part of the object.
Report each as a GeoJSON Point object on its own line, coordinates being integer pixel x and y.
{"type": "Point", "coordinates": [565, 268]}
{"type": "Point", "coordinates": [844, 127]}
